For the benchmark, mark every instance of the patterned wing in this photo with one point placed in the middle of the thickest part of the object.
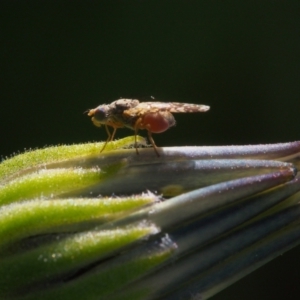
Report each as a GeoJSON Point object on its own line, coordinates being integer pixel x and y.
{"type": "Point", "coordinates": [173, 107]}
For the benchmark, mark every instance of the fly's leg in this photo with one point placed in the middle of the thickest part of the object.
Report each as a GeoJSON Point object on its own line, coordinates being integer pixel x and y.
{"type": "Point", "coordinates": [138, 125]}
{"type": "Point", "coordinates": [136, 129]}
{"type": "Point", "coordinates": [110, 136]}
{"type": "Point", "coordinates": [153, 143]}
{"type": "Point", "coordinates": [135, 141]}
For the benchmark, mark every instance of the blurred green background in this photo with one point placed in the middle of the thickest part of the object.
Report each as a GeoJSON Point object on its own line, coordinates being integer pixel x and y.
{"type": "Point", "coordinates": [59, 58]}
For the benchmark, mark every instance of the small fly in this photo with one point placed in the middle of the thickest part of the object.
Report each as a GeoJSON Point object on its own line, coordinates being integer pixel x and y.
{"type": "Point", "coordinates": [155, 117]}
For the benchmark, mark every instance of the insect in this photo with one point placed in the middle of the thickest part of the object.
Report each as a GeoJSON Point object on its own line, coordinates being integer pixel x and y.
{"type": "Point", "coordinates": [155, 117]}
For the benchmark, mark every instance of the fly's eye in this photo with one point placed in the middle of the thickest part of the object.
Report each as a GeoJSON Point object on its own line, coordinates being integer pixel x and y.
{"type": "Point", "coordinates": [99, 114]}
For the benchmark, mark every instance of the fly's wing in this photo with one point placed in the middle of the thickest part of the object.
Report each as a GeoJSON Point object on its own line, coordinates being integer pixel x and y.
{"type": "Point", "coordinates": [173, 107]}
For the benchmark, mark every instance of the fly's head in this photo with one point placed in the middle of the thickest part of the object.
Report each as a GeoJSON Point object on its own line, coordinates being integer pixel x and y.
{"type": "Point", "coordinates": [100, 115]}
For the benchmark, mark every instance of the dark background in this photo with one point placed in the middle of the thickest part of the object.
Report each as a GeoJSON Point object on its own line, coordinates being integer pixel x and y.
{"type": "Point", "coordinates": [59, 58]}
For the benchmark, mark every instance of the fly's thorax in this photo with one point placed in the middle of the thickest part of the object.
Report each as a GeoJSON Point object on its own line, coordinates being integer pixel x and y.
{"type": "Point", "coordinates": [127, 121]}
{"type": "Point", "coordinates": [124, 104]}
